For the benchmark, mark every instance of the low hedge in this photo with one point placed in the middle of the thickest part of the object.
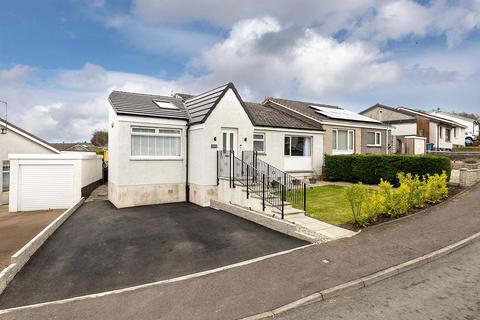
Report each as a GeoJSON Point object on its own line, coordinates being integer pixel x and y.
{"type": "Point", "coordinates": [371, 168]}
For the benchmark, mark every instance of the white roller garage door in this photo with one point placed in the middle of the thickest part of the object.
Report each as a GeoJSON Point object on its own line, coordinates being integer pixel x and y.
{"type": "Point", "coordinates": [46, 186]}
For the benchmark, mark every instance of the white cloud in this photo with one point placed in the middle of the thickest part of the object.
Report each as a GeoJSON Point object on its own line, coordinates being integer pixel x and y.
{"type": "Point", "coordinates": [17, 73]}
{"type": "Point", "coordinates": [312, 65]}
{"type": "Point", "coordinates": [396, 20]}
{"type": "Point", "coordinates": [68, 105]}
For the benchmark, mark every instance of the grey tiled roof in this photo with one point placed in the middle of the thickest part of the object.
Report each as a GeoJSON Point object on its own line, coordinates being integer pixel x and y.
{"type": "Point", "coordinates": [200, 106]}
{"type": "Point", "coordinates": [138, 104]}
{"type": "Point", "coordinates": [306, 109]}
{"type": "Point", "coordinates": [265, 116]}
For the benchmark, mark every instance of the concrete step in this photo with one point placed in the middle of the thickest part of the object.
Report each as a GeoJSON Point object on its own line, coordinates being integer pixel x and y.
{"type": "Point", "coordinates": [289, 211]}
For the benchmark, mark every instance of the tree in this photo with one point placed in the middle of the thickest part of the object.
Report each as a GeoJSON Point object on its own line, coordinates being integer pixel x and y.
{"type": "Point", "coordinates": [99, 138]}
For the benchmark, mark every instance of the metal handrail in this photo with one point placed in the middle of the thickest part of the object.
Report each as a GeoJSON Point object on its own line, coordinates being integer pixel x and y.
{"type": "Point", "coordinates": [255, 181]}
{"type": "Point", "coordinates": [295, 189]}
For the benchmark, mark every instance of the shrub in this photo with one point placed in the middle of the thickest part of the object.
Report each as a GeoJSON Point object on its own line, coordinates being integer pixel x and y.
{"type": "Point", "coordinates": [371, 168]}
{"type": "Point", "coordinates": [373, 206]}
{"type": "Point", "coordinates": [418, 189]}
{"type": "Point", "coordinates": [396, 200]}
{"type": "Point", "coordinates": [356, 196]}
{"type": "Point", "coordinates": [437, 188]}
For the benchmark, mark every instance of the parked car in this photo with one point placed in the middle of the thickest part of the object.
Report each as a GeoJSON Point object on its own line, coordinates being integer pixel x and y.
{"type": "Point", "coordinates": [469, 138]}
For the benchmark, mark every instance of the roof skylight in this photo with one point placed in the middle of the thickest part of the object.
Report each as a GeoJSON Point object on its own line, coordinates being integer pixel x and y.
{"type": "Point", "coordinates": [165, 104]}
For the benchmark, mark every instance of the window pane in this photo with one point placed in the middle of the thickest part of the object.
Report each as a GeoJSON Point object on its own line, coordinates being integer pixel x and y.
{"type": "Point", "coordinates": [334, 140]}
{"type": "Point", "coordinates": [342, 140]}
{"type": "Point", "coordinates": [350, 140]}
{"type": "Point", "coordinates": [258, 146]}
{"type": "Point", "coordinates": [143, 145]}
{"type": "Point", "coordinates": [6, 175]}
{"type": "Point", "coordinates": [370, 137]}
{"type": "Point", "coordinates": [151, 146]}
{"type": "Point", "coordinates": [135, 145]}
{"type": "Point", "coordinates": [258, 136]}
{"type": "Point", "coordinates": [231, 141]}
{"type": "Point", "coordinates": [297, 146]}
{"type": "Point", "coordinates": [143, 130]}
{"type": "Point", "coordinates": [159, 146]}
{"type": "Point", "coordinates": [307, 148]}
{"type": "Point", "coordinates": [167, 131]}
{"type": "Point", "coordinates": [176, 144]}
{"type": "Point", "coordinates": [224, 140]}
{"type": "Point", "coordinates": [287, 146]}
{"type": "Point", "coordinates": [378, 138]}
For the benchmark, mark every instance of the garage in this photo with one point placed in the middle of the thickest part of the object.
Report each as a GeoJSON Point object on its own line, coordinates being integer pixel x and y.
{"type": "Point", "coordinates": [46, 186]}
{"type": "Point", "coordinates": [57, 181]}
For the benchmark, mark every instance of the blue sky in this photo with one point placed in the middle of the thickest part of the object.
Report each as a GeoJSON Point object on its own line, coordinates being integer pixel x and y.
{"type": "Point", "coordinates": [60, 59]}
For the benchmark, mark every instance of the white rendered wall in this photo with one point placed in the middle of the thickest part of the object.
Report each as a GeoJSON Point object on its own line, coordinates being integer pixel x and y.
{"type": "Point", "coordinates": [229, 113]}
{"type": "Point", "coordinates": [87, 168]}
{"type": "Point", "coordinates": [274, 150]}
{"type": "Point", "coordinates": [403, 129]}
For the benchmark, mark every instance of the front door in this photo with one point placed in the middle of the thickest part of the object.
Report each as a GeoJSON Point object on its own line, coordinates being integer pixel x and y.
{"type": "Point", "coordinates": [229, 140]}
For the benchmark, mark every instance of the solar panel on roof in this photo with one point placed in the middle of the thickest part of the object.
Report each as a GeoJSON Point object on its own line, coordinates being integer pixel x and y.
{"type": "Point", "coordinates": [342, 114]}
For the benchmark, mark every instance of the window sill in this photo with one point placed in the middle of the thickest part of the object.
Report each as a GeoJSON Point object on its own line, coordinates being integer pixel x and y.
{"type": "Point", "coordinates": [335, 152]}
{"type": "Point", "coordinates": [133, 158]}
{"type": "Point", "coordinates": [374, 145]}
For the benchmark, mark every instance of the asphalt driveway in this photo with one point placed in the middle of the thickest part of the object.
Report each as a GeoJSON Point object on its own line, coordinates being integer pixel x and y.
{"type": "Point", "coordinates": [101, 248]}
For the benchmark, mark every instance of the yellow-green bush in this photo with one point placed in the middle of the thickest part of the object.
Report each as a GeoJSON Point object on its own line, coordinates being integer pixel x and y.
{"type": "Point", "coordinates": [418, 189]}
{"type": "Point", "coordinates": [414, 191]}
{"type": "Point", "coordinates": [356, 196]}
{"type": "Point", "coordinates": [437, 188]}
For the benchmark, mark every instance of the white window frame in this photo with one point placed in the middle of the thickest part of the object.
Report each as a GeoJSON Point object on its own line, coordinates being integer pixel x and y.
{"type": "Point", "coordinates": [378, 142]}
{"type": "Point", "coordinates": [290, 151]}
{"type": "Point", "coordinates": [263, 140]}
{"type": "Point", "coordinates": [158, 133]}
{"type": "Point", "coordinates": [4, 189]}
{"type": "Point", "coordinates": [349, 150]}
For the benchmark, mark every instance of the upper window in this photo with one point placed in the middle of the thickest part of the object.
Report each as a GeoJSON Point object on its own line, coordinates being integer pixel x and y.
{"type": "Point", "coordinates": [343, 141]}
{"type": "Point", "coordinates": [165, 104]}
{"type": "Point", "coordinates": [421, 132]}
{"type": "Point", "coordinates": [259, 142]}
{"type": "Point", "coordinates": [156, 143]}
{"type": "Point", "coordinates": [374, 138]}
{"type": "Point", "coordinates": [5, 175]}
{"type": "Point", "coordinates": [447, 134]}
{"type": "Point", "coordinates": [298, 146]}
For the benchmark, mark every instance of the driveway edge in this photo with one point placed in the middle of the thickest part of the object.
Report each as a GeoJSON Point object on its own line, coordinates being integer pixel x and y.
{"type": "Point", "coordinates": [21, 257]}
{"type": "Point", "coordinates": [367, 280]}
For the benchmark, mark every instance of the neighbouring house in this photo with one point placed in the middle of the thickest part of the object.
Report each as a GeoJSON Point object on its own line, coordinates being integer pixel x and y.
{"type": "Point", "coordinates": [15, 140]}
{"type": "Point", "coordinates": [77, 146]}
{"type": "Point", "coordinates": [345, 132]}
{"type": "Point", "coordinates": [472, 124]}
{"type": "Point", "coordinates": [168, 149]}
{"type": "Point", "coordinates": [440, 133]}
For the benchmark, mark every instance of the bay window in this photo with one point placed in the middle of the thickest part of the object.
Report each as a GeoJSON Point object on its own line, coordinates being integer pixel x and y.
{"type": "Point", "coordinates": [298, 146]}
{"type": "Point", "coordinates": [342, 141]}
{"type": "Point", "coordinates": [155, 143]}
{"type": "Point", "coordinates": [374, 138]}
{"type": "Point", "coordinates": [259, 142]}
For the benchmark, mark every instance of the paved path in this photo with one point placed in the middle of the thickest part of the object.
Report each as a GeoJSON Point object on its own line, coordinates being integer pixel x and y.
{"type": "Point", "coordinates": [271, 283]}
{"type": "Point", "coordinates": [17, 229]}
{"type": "Point", "coordinates": [448, 288]}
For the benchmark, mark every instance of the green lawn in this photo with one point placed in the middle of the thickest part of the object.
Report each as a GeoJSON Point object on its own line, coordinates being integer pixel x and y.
{"type": "Point", "coordinates": [328, 204]}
